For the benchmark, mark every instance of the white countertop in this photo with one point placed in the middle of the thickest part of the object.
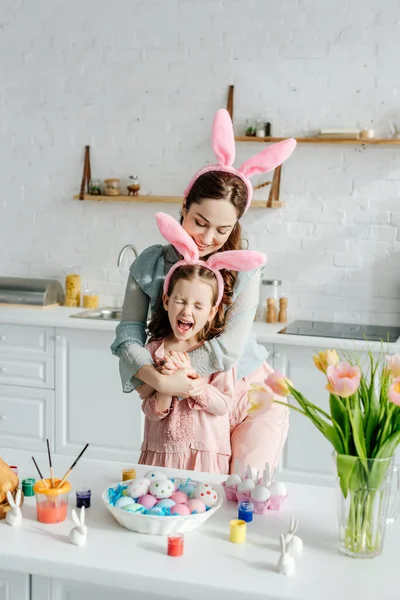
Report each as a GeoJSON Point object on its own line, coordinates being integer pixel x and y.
{"type": "Point", "coordinates": [264, 332]}
{"type": "Point", "coordinates": [211, 567]}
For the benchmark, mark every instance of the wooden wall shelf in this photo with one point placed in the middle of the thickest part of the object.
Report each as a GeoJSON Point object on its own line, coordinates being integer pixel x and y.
{"type": "Point", "coordinates": [158, 200]}
{"type": "Point", "coordinates": [318, 140]}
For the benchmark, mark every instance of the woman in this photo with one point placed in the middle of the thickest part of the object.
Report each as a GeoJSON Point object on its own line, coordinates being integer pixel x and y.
{"type": "Point", "coordinates": [214, 201]}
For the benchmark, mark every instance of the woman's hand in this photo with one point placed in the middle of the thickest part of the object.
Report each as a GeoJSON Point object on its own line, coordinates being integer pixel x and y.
{"type": "Point", "coordinates": [183, 382]}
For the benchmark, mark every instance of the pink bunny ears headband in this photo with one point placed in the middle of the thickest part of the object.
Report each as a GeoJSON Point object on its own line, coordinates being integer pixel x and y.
{"type": "Point", "coordinates": [223, 143]}
{"type": "Point", "coordinates": [235, 260]}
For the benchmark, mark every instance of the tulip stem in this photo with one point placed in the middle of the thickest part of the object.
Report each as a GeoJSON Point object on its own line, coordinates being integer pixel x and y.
{"type": "Point", "coordinates": [291, 407]}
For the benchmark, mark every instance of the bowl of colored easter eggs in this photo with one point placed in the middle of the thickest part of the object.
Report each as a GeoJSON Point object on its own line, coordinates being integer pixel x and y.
{"type": "Point", "coordinates": [157, 505]}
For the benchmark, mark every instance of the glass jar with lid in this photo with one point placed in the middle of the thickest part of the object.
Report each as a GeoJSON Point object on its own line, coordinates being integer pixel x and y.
{"type": "Point", "coordinates": [112, 187]}
{"type": "Point", "coordinates": [270, 288]}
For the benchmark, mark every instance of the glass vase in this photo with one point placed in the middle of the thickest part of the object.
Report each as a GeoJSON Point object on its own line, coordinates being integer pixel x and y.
{"type": "Point", "coordinates": [364, 492]}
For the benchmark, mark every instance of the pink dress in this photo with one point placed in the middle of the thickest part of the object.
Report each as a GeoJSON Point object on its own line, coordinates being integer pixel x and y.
{"type": "Point", "coordinates": [195, 433]}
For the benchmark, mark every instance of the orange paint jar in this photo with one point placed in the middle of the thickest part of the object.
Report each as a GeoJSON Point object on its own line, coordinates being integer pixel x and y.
{"type": "Point", "coordinates": [51, 503]}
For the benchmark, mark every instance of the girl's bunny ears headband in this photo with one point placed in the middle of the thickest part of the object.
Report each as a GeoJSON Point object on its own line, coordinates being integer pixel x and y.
{"type": "Point", "coordinates": [223, 143]}
{"type": "Point", "coordinates": [236, 260]}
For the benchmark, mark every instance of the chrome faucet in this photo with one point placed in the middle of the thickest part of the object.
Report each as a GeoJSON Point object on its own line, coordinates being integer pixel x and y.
{"type": "Point", "coordinates": [123, 251]}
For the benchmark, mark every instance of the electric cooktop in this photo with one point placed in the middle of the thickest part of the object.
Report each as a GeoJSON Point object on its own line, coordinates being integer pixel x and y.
{"type": "Point", "coordinates": [351, 331]}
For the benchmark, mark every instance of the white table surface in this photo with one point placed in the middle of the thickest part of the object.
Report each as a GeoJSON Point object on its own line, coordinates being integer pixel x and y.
{"type": "Point", "coordinates": [211, 567]}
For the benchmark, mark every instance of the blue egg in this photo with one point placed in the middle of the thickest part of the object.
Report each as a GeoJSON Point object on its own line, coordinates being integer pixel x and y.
{"type": "Point", "coordinates": [187, 488]}
{"type": "Point", "coordinates": [166, 503]}
{"type": "Point", "coordinates": [156, 510]}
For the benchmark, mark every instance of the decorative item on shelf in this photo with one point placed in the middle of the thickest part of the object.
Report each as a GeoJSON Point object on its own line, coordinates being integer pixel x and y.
{"type": "Point", "coordinates": [134, 186]}
{"type": "Point", "coordinates": [267, 129]}
{"type": "Point", "coordinates": [349, 134]}
{"type": "Point", "coordinates": [251, 126]}
{"type": "Point", "coordinates": [363, 426]}
{"type": "Point", "coordinates": [87, 174]}
{"type": "Point", "coordinates": [72, 287]}
{"type": "Point", "coordinates": [260, 129]}
{"type": "Point", "coordinates": [367, 133]}
{"type": "Point", "coordinates": [90, 299]}
{"type": "Point", "coordinates": [112, 187]}
{"type": "Point", "coordinates": [272, 314]}
{"type": "Point", "coordinates": [95, 187]}
{"type": "Point", "coordinates": [282, 317]}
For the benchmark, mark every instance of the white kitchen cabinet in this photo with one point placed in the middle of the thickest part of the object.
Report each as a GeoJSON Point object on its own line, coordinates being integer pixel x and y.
{"type": "Point", "coordinates": [44, 588]}
{"type": "Point", "coordinates": [26, 417]}
{"type": "Point", "coordinates": [90, 404]}
{"type": "Point", "coordinates": [14, 586]}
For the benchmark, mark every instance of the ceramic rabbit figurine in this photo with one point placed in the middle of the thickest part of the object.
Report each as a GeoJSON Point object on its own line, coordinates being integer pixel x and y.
{"type": "Point", "coordinates": [14, 515]}
{"type": "Point", "coordinates": [286, 563]}
{"type": "Point", "coordinates": [296, 542]}
{"type": "Point", "coordinates": [78, 534]}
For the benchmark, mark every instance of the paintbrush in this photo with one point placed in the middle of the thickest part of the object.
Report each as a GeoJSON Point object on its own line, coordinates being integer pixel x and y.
{"type": "Point", "coordinates": [51, 466]}
{"type": "Point", "coordinates": [71, 467]}
{"type": "Point", "coordinates": [40, 475]}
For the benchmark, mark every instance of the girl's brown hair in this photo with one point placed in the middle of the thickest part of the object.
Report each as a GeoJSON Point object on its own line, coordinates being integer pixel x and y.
{"type": "Point", "coordinates": [218, 185]}
{"type": "Point", "coordinates": [160, 327]}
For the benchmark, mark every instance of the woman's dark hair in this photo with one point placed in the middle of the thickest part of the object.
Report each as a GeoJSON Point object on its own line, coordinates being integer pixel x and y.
{"type": "Point", "coordinates": [160, 327]}
{"type": "Point", "coordinates": [218, 185]}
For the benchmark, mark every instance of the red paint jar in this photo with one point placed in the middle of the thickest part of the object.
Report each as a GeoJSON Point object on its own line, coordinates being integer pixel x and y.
{"type": "Point", "coordinates": [175, 544]}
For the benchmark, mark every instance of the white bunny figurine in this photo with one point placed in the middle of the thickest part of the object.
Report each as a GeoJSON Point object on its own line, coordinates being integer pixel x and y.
{"type": "Point", "coordinates": [78, 534]}
{"type": "Point", "coordinates": [296, 542]}
{"type": "Point", "coordinates": [14, 515]}
{"type": "Point", "coordinates": [286, 564]}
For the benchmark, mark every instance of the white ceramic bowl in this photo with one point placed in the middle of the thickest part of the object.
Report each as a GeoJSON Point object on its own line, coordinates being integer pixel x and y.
{"type": "Point", "coordinates": [156, 525]}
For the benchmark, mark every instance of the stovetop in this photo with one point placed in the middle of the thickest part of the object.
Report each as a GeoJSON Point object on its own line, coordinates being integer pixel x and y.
{"type": "Point", "coordinates": [351, 331]}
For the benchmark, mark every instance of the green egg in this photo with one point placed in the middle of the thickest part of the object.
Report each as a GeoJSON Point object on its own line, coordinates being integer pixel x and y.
{"type": "Point", "coordinates": [134, 508]}
{"type": "Point", "coordinates": [125, 492]}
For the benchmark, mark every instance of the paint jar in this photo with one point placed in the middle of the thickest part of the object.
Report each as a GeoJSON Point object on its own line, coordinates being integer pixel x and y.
{"type": "Point", "coordinates": [51, 502]}
{"type": "Point", "coordinates": [245, 511]}
{"type": "Point", "coordinates": [27, 486]}
{"type": "Point", "coordinates": [14, 469]}
{"type": "Point", "coordinates": [237, 531]}
{"type": "Point", "coordinates": [128, 473]}
{"type": "Point", "coordinates": [83, 498]}
{"type": "Point", "coordinates": [175, 544]}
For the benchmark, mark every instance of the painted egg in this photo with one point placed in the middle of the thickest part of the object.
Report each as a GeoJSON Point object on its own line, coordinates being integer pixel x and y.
{"type": "Point", "coordinates": [153, 476]}
{"type": "Point", "coordinates": [180, 509]}
{"type": "Point", "coordinates": [196, 506]}
{"type": "Point", "coordinates": [187, 488]}
{"type": "Point", "coordinates": [123, 501]}
{"type": "Point", "coordinates": [179, 497]}
{"type": "Point", "coordinates": [260, 493]}
{"type": "Point", "coordinates": [125, 492]}
{"type": "Point", "coordinates": [157, 510]}
{"type": "Point", "coordinates": [278, 489]}
{"type": "Point", "coordinates": [166, 503]}
{"type": "Point", "coordinates": [134, 508]}
{"type": "Point", "coordinates": [139, 487]}
{"type": "Point", "coordinates": [206, 494]}
{"type": "Point", "coordinates": [162, 489]}
{"type": "Point", "coordinates": [147, 501]}
{"type": "Point", "coordinates": [246, 486]}
{"type": "Point", "coordinates": [233, 481]}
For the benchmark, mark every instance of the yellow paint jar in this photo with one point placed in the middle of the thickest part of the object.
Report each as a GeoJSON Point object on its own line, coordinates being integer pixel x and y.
{"type": "Point", "coordinates": [237, 533]}
{"type": "Point", "coordinates": [128, 473]}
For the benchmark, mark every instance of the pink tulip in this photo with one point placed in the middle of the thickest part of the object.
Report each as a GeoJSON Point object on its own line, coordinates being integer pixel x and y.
{"type": "Point", "coordinates": [325, 359]}
{"type": "Point", "coordinates": [279, 384]}
{"type": "Point", "coordinates": [393, 363]}
{"type": "Point", "coordinates": [260, 398]}
{"type": "Point", "coordinates": [343, 379]}
{"type": "Point", "coordinates": [394, 392]}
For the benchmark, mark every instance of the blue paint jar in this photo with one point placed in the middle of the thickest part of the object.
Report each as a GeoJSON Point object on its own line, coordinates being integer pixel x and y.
{"type": "Point", "coordinates": [83, 498]}
{"type": "Point", "coordinates": [245, 511]}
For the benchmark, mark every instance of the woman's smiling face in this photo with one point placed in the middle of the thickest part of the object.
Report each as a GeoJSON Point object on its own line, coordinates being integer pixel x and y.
{"type": "Point", "coordinates": [209, 224]}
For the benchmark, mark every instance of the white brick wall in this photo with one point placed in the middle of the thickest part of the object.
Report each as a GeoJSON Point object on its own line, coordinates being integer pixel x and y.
{"type": "Point", "coordinates": [140, 82]}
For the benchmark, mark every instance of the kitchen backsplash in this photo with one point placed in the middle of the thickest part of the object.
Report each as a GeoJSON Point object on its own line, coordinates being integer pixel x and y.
{"type": "Point", "coordinates": [143, 95]}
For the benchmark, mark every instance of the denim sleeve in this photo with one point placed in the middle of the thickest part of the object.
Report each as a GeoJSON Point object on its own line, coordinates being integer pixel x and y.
{"type": "Point", "coordinates": [129, 343]}
{"type": "Point", "coordinates": [223, 352]}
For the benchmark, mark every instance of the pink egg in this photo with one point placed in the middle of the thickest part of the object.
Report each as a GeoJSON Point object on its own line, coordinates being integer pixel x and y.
{"type": "Point", "coordinates": [147, 501]}
{"type": "Point", "coordinates": [180, 497]}
{"type": "Point", "coordinates": [180, 509]}
{"type": "Point", "coordinates": [195, 505]}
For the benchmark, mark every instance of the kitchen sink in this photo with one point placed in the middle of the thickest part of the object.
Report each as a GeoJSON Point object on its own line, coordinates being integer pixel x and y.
{"type": "Point", "coordinates": [103, 314]}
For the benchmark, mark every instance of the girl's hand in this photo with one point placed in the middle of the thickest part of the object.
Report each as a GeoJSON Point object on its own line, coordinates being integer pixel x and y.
{"type": "Point", "coordinates": [180, 360]}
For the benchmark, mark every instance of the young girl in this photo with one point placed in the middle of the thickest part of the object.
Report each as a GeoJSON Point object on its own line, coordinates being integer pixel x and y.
{"type": "Point", "coordinates": [214, 202]}
{"type": "Point", "coordinates": [193, 432]}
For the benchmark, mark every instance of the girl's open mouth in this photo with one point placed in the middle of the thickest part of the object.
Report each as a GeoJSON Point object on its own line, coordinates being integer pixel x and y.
{"type": "Point", "coordinates": [184, 326]}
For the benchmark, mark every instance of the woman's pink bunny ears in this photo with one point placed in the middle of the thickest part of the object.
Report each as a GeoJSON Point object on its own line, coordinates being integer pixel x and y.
{"type": "Point", "coordinates": [223, 143]}
{"type": "Point", "coordinates": [234, 260]}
